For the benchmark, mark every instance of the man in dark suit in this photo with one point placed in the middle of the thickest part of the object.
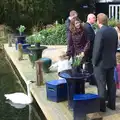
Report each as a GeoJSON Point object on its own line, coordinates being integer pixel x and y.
{"type": "Point", "coordinates": [91, 19]}
{"type": "Point", "coordinates": [104, 61]}
{"type": "Point", "coordinates": [72, 15]}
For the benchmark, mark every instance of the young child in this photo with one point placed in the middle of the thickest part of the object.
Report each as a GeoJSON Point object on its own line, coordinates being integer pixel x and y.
{"type": "Point", "coordinates": [62, 64]}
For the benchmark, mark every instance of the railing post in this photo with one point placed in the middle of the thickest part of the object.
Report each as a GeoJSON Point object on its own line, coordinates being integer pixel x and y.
{"type": "Point", "coordinates": [39, 72]}
{"type": "Point", "coordinates": [20, 51]}
{"type": "Point", "coordinates": [9, 40]}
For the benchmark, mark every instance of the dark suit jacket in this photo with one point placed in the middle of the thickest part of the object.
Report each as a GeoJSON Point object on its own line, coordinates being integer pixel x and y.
{"type": "Point", "coordinates": [90, 36]}
{"type": "Point", "coordinates": [105, 47]}
{"type": "Point", "coordinates": [67, 23]}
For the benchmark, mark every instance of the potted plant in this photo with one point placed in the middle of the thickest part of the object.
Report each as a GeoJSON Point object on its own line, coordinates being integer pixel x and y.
{"type": "Point", "coordinates": [35, 39]}
{"type": "Point", "coordinates": [36, 51]}
{"type": "Point", "coordinates": [76, 66]}
{"type": "Point", "coordinates": [21, 37]}
{"type": "Point", "coordinates": [21, 29]}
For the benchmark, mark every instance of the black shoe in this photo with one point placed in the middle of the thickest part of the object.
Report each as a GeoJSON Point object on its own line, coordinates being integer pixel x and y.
{"type": "Point", "coordinates": [111, 107]}
{"type": "Point", "coordinates": [102, 109]}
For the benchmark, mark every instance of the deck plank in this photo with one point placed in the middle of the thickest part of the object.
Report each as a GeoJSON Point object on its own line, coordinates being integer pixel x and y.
{"type": "Point", "coordinates": [52, 110]}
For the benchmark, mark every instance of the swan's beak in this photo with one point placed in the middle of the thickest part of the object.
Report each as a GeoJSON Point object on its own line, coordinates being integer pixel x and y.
{"type": "Point", "coordinates": [30, 81]}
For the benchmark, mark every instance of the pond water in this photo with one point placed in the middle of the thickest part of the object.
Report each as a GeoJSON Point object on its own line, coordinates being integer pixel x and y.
{"type": "Point", "coordinates": [10, 84]}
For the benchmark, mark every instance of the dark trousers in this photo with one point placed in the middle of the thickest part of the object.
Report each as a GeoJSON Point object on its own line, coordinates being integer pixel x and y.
{"type": "Point", "coordinates": [89, 68]}
{"type": "Point", "coordinates": [105, 77]}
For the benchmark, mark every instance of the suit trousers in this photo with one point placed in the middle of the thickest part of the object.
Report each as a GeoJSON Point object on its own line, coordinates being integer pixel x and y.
{"type": "Point", "coordinates": [89, 68]}
{"type": "Point", "coordinates": [105, 77]}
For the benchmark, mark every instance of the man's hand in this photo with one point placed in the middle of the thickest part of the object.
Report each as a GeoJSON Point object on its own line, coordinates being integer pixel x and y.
{"type": "Point", "coordinates": [82, 54]}
{"type": "Point", "coordinates": [74, 16]}
{"type": "Point", "coordinates": [70, 18]}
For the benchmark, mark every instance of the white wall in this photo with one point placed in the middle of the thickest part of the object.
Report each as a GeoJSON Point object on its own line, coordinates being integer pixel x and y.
{"type": "Point", "coordinates": [114, 11]}
{"type": "Point", "coordinates": [102, 1]}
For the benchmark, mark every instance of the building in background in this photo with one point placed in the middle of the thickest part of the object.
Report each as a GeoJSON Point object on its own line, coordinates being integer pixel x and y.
{"type": "Point", "coordinates": [109, 7]}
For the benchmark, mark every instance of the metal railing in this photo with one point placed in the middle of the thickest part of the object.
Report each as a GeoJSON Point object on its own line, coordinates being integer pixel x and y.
{"type": "Point", "coordinates": [114, 11]}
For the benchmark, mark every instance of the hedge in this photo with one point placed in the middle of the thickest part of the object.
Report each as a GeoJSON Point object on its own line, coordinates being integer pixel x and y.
{"type": "Point", "coordinates": [55, 35]}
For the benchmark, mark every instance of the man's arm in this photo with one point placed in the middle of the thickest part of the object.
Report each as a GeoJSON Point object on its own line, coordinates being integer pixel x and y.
{"type": "Point", "coordinates": [97, 49]}
{"type": "Point", "coordinates": [87, 46]}
{"type": "Point", "coordinates": [89, 32]}
{"type": "Point", "coordinates": [70, 49]}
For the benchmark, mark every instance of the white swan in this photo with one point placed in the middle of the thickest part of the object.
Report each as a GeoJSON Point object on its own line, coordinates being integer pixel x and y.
{"type": "Point", "coordinates": [21, 98]}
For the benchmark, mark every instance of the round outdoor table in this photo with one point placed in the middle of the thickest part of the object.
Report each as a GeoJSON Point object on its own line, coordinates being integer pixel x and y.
{"type": "Point", "coordinates": [24, 46]}
{"type": "Point", "coordinates": [35, 53]}
{"type": "Point", "coordinates": [75, 83]}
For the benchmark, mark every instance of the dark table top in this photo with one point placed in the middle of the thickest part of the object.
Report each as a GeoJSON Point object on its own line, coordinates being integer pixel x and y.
{"type": "Point", "coordinates": [36, 48]}
{"type": "Point", "coordinates": [20, 35]}
{"type": "Point", "coordinates": [70, 75]}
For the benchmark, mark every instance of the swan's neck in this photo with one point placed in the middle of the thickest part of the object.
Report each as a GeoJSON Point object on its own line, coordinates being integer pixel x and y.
{"type": "Point", "coordinates": [28, 91]}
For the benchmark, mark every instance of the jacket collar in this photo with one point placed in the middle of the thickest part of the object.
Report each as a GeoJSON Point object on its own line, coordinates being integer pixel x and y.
{"type": "Point", "coordinates": [104, 26]}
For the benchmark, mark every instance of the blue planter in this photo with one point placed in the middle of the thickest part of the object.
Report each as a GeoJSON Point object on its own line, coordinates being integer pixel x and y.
{"type": "Point", "coordinates": [20, 39]}
{"type": "Point", "coordinates": [46, 64]}
{"type": "Point", "coordinates": [74, 87]}
{"type": "Point", "coordinates": [85, 104]}
{"type": "Point", "coordinates": [56, 90]}
{"type": "Point", "coordinates": [75, 84]}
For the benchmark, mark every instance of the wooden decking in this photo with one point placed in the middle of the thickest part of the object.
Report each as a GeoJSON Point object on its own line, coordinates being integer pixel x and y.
{"type": "Point", "coordinates": [52, 110]}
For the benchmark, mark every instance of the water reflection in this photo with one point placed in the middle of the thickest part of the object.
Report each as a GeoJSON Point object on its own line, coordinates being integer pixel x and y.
{"type": "Point", "coordinates": [17, 106]}
{"type": "Point", "coordinates": [9, 84]}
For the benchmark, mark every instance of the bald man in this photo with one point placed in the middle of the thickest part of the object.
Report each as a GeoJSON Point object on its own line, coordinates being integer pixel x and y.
{"type": "Point", "coordinates": [91, 19]}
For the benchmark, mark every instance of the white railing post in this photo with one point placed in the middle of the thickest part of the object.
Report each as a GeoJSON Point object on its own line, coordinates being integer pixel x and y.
{"type": "Point", "coordinates": [114, 11]}
{"type": "Point", "coordinates": [110, 11]}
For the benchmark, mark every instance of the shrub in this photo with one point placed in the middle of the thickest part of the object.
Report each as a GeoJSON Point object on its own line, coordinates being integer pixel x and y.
{"type": "Point", "coordinates": [35, 38]}
{"type": "Point", "coordinates": [95, 26]}
{"type": "Point", "coordinates": [55, 35]}
{"type": "Point", "coordinates": [112, 23]}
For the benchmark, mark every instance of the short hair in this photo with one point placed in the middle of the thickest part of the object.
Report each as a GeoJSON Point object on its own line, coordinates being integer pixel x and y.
{"type": "Point", "coordinates": [72, 12]}
{"type": "Point", "coordinates": [90, 15]}
{"type": "Point", "coordinates": [102, 18]}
